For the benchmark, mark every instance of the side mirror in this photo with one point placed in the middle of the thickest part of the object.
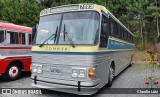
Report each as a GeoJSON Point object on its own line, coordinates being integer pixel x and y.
{"type": "Point", "coordinates": [33, 32]}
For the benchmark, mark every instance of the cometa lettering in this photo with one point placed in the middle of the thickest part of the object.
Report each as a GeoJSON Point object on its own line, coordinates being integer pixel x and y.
{"type": "Point", "coordinates": [56, 48]}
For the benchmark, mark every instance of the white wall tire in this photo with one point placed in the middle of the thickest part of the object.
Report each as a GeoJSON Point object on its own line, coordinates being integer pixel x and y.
{"type": "Point", "coordinates": [13, 72]}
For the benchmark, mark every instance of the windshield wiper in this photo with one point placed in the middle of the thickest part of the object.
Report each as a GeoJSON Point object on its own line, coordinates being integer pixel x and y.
{"type": "Point", "coordinates": [69, 38]}
{"type": "Point", "coordinates": [53, 36]}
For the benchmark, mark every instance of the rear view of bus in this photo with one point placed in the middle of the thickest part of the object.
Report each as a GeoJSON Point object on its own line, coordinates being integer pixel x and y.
{"type": "Point", "coordinates": [73, 51]}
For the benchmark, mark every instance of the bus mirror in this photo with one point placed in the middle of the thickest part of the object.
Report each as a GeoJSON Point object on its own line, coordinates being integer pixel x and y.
{"type": "Point", "coordinates": [33, 32]}
{"type": "Point", "coordinates": [33, 29]}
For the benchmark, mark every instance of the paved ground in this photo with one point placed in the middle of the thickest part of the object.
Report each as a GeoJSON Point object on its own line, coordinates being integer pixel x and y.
{"type": "Point", "coordinates": [132, 77]}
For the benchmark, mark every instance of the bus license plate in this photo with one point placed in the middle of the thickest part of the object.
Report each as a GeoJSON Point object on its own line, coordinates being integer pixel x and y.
{"type": "Point", "coordinates": [55, 71]}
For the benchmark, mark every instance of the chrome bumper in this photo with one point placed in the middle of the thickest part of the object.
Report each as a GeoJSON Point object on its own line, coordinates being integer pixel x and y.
{"type": "Point", "coordinates": [79, 88]}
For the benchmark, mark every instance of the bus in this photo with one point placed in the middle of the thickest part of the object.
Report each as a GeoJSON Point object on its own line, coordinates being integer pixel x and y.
{"type": "Point", "coordinates": [15, 50]}
{"type": "Point", "coordinates": [79, 49]}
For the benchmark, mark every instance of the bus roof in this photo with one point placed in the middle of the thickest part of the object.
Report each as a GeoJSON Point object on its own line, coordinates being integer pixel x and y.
{"type": "Point", "coordinates": [10, 26]}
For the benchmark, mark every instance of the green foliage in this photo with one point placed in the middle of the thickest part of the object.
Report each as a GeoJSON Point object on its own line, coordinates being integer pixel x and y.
{"type": "Point", "coordinates": [23, 12]}
{"type": "Point", "coordinates": [1, 6]}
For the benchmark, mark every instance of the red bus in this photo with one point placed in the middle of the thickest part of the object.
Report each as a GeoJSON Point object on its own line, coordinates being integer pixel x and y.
{"type": "Point", "coordinates": [15, 50]}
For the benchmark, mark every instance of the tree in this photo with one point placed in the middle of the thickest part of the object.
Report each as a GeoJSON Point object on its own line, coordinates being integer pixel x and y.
{"type": "Point", "coordinates": [154, 9]}
{"type": "Point", "coordinates": [1, 7]}
{"type": "Point", "coordinates": [30, 12]}
{"type": "Point", "coordinates": [22, 12]}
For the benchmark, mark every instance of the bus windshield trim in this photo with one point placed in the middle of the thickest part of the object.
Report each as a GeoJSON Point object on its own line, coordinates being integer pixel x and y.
{"type": "Point", "coordinates": [90, 11]}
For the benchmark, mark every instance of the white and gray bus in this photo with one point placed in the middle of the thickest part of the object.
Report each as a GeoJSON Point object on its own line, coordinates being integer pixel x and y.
{"type": "Point", "coordinates": [79, 48]}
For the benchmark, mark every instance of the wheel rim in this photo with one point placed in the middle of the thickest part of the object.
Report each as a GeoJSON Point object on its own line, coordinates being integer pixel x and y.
{"type": "Point", "coordinates": [111, 73]}
{"type": "Point", "coordinates": [13, 71]}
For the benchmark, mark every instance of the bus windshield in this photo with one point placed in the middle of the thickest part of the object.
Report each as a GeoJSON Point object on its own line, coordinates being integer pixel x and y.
{"type": "Point", "coordinates": [80, 27]}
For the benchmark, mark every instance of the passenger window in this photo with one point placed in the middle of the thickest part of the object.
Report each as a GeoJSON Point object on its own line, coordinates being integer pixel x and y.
{"type": "Point", "coordinates": [30, 39]}
{"type": "Point", "coordinates": [22, 38]}
{"type": "Point", "coordinates": [119, 32]}
{"type": "Point", "coordinates": [12, 37]}
{"type": "Point", "coordinates": [122, 32]}
{"type": "Point", "coordinates": [112, 27]}
{"type": "Point", "coordinates": [2, 40]}
{"type": "Point", "coordinates": [104, 32]}
{"type": "Point", "coordinates": [130, 38]}
{"type": "Point", "coordinates": [125, 35]}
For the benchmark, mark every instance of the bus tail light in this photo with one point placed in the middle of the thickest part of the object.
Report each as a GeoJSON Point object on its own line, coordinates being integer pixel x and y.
{"type": "Point", "coordinates": [92, 72]}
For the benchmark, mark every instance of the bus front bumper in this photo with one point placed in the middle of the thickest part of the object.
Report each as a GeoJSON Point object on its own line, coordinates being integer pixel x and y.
{"type": "Point", "coordinates": [78, 89]}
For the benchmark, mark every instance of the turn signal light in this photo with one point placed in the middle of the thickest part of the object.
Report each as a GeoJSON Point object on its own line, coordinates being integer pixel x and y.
{"type": "Point", "coordinates": [31, 67]}
{"type": "Point", "coordinates": [92, 72]}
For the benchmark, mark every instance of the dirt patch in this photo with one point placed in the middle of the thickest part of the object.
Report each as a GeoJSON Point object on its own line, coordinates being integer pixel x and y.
{"type": "Point", "coordinates": [141, 56]}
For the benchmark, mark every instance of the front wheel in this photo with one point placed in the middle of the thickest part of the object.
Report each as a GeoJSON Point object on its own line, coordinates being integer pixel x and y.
{"type": "Point", "coordinates": [13, 72]}
{"type": "Point", "coordinates": [111, 76]}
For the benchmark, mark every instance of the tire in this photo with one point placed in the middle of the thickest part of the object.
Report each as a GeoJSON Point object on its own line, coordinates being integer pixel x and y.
{"type": "Point", "coordinates": [111, 76]}
{"type": "Point", "coordinates": [12, 73]}
{"type": "Point", "coordinates": [130, 65]}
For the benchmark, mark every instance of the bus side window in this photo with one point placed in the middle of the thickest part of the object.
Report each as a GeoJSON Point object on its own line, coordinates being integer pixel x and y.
{"type": "Point", "coordinates": [29, 39]}
{"type": "Point", "coordinates": [119, 32]}
{"type": "Point", "coordinates": [123, 34]}
{"type": "Point", "coordinates": [22, 38]}
{"type": "Point", "coordinates": [114, 27]}
{"type": "Point", "coordinates": [2, 39]}
{"type": "Point", "coordinates": [13, 37]}
{"type": "Point", "coordinates": [104, 31]}
{"type": "Point", "coordinates": [111, 26]}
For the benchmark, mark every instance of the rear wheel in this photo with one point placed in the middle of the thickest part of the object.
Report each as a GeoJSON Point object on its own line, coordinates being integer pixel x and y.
{"type": "Point", "coordinates": [111, 76]}
{"type": "Point", "coordinates": [13, 72]}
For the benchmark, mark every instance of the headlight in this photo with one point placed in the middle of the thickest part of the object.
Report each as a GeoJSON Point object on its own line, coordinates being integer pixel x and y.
{"type": "Point", "coordinates": [39, 69]}
{"type": "Point", "coordinates": [79, 72]}
{"type": "Point", "coordinates": [82, 73]}
{"type": "Point", "coordinates": [36, 68]}
{"type": "Point", "coordinates": [75, 73]}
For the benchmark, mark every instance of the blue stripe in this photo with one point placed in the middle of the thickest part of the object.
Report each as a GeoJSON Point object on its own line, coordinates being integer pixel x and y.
{"type": "Point", "coordinates": [71, 53]}
{"type": "Point", "coordinates": [75, 53]}
{"type": "Point", "coordinates": [113, 44]}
